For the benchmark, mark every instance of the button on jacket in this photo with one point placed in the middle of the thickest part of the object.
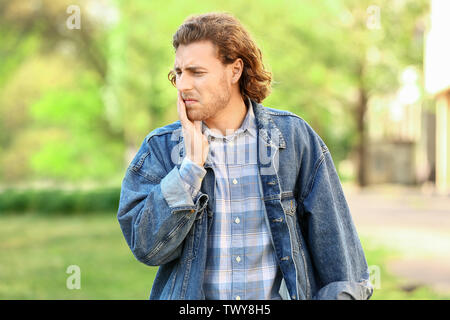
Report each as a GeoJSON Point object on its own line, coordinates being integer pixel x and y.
{"type": "Point", "coordinates": [316, 245]}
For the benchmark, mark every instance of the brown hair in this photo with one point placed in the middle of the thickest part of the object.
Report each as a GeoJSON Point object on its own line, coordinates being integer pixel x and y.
{"type": "Point", "coordinates": [233, 42]}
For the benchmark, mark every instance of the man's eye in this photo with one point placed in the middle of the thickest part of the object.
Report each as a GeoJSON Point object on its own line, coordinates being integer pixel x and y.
{"type": "Point", "coordinates": [197, 73]}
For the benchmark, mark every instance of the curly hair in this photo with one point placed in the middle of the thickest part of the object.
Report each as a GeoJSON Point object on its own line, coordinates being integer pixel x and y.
{"type": "Point", "coordinates": [232, 42]}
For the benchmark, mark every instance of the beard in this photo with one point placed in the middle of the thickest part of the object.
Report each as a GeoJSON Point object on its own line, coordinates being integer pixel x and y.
{"type": "Point", "coordinates": [203, 111]}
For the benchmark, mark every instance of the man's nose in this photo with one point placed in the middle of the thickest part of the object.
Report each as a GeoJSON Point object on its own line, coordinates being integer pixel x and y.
{"type": "Point", "coordinates": [184, 83]}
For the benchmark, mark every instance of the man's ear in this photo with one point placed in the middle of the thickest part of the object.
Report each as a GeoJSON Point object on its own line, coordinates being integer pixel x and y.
{"type": "Point", "coordinates": [236, 68]}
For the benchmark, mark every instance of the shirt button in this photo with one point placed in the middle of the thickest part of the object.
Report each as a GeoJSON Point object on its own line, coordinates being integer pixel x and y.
{"type": "Point", "coordinates": [234, 181]}
{"type": "Point", "coordinates": [238, 298]}
{"type": "Point", "coordinates": [238, 259]}
{"type": "Point", "coordinates": [237, 220]}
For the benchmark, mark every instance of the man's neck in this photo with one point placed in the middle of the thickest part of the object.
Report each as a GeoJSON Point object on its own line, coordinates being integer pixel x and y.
{"type": "Point", "coordinates": [230, 118]}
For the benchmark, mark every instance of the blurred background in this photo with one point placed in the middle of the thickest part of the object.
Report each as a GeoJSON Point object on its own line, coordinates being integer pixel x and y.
{"type": "Point", "coordinates": [83, 82]}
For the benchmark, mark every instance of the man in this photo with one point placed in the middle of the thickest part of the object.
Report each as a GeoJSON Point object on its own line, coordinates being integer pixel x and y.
{"type": "Point", "coordinates": [236, 200]}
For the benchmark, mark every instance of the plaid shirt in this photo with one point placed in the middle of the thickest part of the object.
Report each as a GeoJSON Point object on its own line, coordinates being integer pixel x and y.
{"type": "Point", "coordinates": [241, 262]}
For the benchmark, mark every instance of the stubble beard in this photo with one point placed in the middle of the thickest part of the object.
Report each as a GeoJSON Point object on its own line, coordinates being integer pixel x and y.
{"type": "Point", "coordinates": [218, 102]}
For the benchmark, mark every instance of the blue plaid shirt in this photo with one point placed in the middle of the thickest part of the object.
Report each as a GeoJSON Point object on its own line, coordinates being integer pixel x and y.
{"type": "Point", "coordinates": [241, 262]}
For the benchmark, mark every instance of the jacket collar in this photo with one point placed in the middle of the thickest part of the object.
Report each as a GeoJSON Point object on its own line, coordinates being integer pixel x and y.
{"type": "Point", "coordinates": [268, 130]}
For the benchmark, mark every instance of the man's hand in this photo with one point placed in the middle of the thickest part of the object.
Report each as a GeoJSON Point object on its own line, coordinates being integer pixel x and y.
{"type": "Point", "coordinates": [195, 142]}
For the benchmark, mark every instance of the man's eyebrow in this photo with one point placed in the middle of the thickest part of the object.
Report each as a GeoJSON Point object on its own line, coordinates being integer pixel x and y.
{"type": "Point", "coordinates": [190, 68]}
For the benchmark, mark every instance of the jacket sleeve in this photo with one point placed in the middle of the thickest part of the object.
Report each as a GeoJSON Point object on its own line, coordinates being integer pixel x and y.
{"type": "Point", "coordinates": [335, 248]}
{"type": "Point", "coordinates": [155, 212]}
{"type": "Point", "coordinates": [192, 176]}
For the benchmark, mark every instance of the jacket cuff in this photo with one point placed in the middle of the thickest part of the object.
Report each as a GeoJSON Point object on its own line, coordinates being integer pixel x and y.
{"type": "Point", "coordinates": [192, 176]}
{"type": "Point", "coordinates": [174, 192]}
{"type": "Point", "coordinates": [345, 290]}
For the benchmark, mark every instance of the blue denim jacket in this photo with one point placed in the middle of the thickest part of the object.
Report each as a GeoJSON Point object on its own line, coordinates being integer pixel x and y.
{"type": "Point", "coordinates": [313, 234]}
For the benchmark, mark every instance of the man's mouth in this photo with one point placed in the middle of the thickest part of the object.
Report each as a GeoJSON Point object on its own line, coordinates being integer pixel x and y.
{"type": "Point", "coordinates": [189, 101]}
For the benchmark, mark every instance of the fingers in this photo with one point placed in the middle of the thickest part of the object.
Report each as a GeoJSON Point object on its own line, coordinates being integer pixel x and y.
{"type": "Point", "coordinates": [198, 125]}
{"type": "Point", "coordinates": [195, 141]}
{"type": "Point", "coordinates": [181, 108]}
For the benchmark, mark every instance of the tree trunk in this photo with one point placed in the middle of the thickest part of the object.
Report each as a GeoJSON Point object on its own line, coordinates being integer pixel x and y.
{"type": "Point", "coordinates": [362, 141]}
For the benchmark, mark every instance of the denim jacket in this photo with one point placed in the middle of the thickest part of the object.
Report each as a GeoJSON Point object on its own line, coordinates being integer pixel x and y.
{"type": "Point", "coordinates": [315, 241]}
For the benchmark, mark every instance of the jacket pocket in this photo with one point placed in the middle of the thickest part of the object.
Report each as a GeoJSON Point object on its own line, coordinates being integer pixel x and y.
{"type": "Point", "coordinates": [297, 244]}
{"type": "Point", "coordinates": [192, 241]}
{"type": "Point", "coordinates": [290, 207]}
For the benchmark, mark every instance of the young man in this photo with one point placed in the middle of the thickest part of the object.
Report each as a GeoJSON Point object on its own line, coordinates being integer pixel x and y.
{"type": "Point", "coordinates": [236, 200]}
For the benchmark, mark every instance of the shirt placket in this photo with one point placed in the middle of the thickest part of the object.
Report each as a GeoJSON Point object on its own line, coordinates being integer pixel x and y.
{"type": "Point", "coordinates": [236, 219]}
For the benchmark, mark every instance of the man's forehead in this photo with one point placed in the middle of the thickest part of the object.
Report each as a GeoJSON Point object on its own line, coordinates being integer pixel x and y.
{"type": "Point", "coordinates": [197, 54]}
{"type": "Point", "coordinates": [190, 65]}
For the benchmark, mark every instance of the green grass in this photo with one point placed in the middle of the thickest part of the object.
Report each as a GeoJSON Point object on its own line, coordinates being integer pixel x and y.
{"type": "Point", "coordinates": [37, 249]}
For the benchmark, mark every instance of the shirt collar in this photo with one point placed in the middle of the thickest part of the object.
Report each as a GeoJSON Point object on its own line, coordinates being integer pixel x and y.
{"type": "Point", "coordinates": [248, 125]}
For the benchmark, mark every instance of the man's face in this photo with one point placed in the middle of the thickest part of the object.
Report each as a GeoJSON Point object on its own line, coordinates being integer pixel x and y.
{"type": "Point", "coordinates": [203, 81]}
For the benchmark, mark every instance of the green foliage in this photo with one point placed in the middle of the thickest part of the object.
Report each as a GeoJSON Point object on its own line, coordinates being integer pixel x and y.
{"type": "Point", "coordinates": [77, 110]}
{"type": "Point", "coordinates": [79, 147]}
{"type": "Point", "coordinates": [76, 104]}
{"type": "Point", "coordinates": [57, 201]}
